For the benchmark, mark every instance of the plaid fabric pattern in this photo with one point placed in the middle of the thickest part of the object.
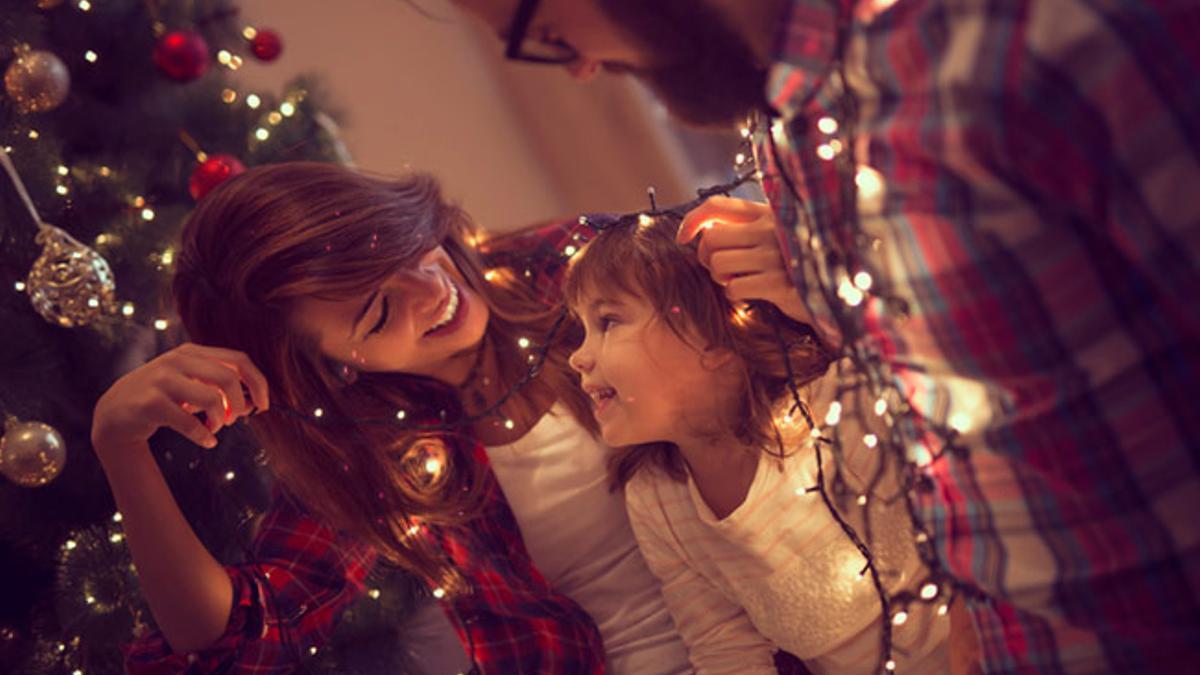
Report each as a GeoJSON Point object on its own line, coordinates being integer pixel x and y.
{"type": "Point", "coordinates": [1035, 163]}
{"type": "Point", "coordinates": [304, 573]}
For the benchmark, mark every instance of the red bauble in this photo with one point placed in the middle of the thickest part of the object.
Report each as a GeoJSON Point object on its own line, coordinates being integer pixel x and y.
{"type": "Point", "coordinates": [266, 45]}
{"type": "Point", "coordinates": [211, 173]}
{"type": "Point", "coordinates": [182, 55]}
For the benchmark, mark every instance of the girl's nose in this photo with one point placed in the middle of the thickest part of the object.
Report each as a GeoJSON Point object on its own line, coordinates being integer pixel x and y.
{"type": "Point", "coordinates": [579, 361]}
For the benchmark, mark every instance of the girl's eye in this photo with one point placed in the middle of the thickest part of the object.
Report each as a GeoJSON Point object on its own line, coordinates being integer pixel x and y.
{"type": "Point", "coordinates": [383, 317]}
{"type": "Point", "coordinates": [605, 322]}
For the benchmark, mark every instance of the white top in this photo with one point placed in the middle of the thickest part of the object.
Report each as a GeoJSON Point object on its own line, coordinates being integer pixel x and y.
{"type": "Point", "coordinates": [779, 572]}
{"type": "Point", "coordinates": [578, 534]}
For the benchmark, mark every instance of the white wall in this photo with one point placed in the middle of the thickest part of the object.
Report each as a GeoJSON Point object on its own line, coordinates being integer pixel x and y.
{"type": "Point", "coordinates": [514, 144]}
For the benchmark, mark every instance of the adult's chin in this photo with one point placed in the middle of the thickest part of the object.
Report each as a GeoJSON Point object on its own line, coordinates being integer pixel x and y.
{"type": "Point", "coordinates": [720, 98]}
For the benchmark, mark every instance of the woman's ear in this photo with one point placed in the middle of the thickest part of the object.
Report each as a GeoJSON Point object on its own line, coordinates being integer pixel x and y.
{"type": "Point", "coordinates": [716, 358]}
{"type": "Point", "coordinates": [342, 372]}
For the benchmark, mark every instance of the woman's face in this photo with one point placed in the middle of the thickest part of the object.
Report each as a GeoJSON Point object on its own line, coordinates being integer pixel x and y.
{"type": "Point", "coordinates": [425, 320]}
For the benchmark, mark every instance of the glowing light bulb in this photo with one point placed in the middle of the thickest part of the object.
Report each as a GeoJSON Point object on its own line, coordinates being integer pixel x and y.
{"type": "Point", "coordinates": [400, 414]}
{"type": "Point", "coordinates": [929, 591]}
{"type": "Point", "coordinates": [827, 125]}
{"type": "Point", "coordinates": [116, 537]}
{"type": "Point", "coordinates": [90, 56]}
{"type": "Point", "coordinates": [318, 412]}
{"type": "Point", "coordinates": [439, 593]}
{"type": "Point", "coordinates": [229, 475]}
{"type": "Point", "coordinates": [863, 281]}
{"type": "Point", "coordinates": [70, 544]}
{"type": "Point", "coordinates": [160, 324]}
{"type": "Point", "coordinates": [871, 440]}
{"type": "Point", "coordinates": [253, 101]}
{"type": "Point", "coordinates": [899, 618]}
{"type": "Point", "coordinates": [374, 593]}
{"type": "Point", "coordinates": [127, 309]}
{"type": "Point", "coordinates": [834, 415]}
{"type": "Point", "coordinates": [287, 108]}
{"type": "Point", "coordinates": [523, 343]}
{"type": "Point", "coordinates": [850, 293]}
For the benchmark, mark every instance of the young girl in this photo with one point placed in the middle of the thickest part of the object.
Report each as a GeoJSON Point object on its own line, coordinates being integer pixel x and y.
{"type": "Point", "coordinates": [335, 308]}
{"type": "Point", "coordinates": [717, 490]}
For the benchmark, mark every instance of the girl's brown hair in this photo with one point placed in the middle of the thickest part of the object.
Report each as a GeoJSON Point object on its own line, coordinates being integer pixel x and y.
{"type": "Point", "coordinates": [278, 233]}
{"type": "Point", "coordinates": [644, 261]}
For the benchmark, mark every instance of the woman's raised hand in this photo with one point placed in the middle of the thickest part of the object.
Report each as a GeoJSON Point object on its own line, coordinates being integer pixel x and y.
{"type": "Point", "coordinates": [739, 246]}
{"type": "Point", "coordinates": [166, 391]}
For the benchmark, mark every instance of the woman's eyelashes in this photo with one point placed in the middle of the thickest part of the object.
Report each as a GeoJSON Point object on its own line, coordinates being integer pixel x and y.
{"type": "Point", "coordinates": [383, 317]}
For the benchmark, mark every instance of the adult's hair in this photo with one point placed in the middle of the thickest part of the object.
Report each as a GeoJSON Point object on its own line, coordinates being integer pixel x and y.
{"type": "Point", "coordinates": [644, 261]}
{"type": "Point", "coordinates": [264, 240]}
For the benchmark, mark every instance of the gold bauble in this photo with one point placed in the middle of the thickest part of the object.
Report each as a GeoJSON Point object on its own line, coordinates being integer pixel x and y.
{"type": "Point", "coordinates": [37, 81]}
{"type": "Point", "coordinates": [69, 284]}
{"type": "Point", "coordinates": [31, 453]}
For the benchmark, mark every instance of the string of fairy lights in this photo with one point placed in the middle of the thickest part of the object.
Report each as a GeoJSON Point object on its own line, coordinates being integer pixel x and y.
{"type": "Point", "coordinates": [846, 285]}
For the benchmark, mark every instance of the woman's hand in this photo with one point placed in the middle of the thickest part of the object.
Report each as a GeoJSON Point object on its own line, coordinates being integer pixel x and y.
{"type": "Point", "coordinates": [740, 248]}
{"type": "Point", "coordinates": [165, 391]}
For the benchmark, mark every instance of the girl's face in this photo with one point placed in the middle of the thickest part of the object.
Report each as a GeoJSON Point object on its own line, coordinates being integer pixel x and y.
{"type": "Point", "coordinates": [425, 320]}
{"type": "Point", "coordinates": [646, 383]}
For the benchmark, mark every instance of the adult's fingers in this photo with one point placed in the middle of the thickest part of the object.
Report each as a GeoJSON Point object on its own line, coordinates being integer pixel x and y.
{"type": "Point", "coordinates": [770, 286]}
{"type": "Point", "coordinates": [221, 375]}
{"type": "Point", "coordinates": [255, 381]}
{"type": "Point", "coordinates": [724, 265]}
{"type": "Point", "coordinates": [174, 417]}
{"type": "Point", "coordinates": [194, 395]}
{"type": "Point", "coordinates": [718, 209]}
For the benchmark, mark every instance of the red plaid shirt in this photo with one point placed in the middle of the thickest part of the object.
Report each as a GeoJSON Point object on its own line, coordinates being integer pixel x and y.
{"type": "Point", "coordinates": [1034, 164]}
{"type": "Point", "coordinates": [303, 573]}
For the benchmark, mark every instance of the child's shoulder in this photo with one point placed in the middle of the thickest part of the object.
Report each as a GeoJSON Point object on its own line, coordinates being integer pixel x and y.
{"type": "Point", "coordinates": [650, 487]}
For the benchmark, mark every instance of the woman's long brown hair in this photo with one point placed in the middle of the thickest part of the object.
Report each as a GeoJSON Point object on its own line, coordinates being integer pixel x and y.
{"type": "Point", "coordinates": [278, 233]}
{"type": "Point", "coordinates": [644, 261]}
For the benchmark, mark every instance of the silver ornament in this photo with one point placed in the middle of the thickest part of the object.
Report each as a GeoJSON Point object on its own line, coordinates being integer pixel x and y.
{"type": "Point", "coordinates": [69, 284]}
{"type": "Point", "coordinates": [31, 453]}
{"type": "Point", "coordinates": [37, 81]}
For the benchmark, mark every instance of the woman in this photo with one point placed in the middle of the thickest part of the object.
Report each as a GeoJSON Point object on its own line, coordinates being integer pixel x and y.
{"type": "Point", "coordinates": [350, 319]}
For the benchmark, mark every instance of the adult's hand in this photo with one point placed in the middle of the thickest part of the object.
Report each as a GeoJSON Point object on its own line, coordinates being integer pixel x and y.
{"type": "Point", "coordinates": [740, 248]}
{"type": "Point", "coordinates": [165, 391]}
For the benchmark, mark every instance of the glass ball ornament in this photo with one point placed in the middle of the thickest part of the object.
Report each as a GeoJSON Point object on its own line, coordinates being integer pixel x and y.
{"type": "Point", "coordinates": [37, 81]}
{"type": "Point", "coordinates": [182, 55]}
{"type": "Point", "coordinates": [213, 171]}
{"type": "Point", "coordinates": [266, 45]}
{"type": "Point", "coordinates": [31, 453]}
{"type": "Point", "coordinates": [69, 284]}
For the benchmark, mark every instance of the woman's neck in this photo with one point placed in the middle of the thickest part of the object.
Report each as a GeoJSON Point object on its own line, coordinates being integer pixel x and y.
{"type": "Point", "coordinates": [486, 386]}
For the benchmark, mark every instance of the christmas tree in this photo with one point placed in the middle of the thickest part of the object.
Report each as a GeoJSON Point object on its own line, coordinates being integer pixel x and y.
{"type": "Point", "coordinates": [116, 116]}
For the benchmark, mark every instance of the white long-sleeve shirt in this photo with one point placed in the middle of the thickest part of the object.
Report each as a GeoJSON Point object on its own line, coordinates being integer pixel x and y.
{"type": "Point", "coordinates": [779, 573]}
{"type": "Point", "coordinates": [577, 532]}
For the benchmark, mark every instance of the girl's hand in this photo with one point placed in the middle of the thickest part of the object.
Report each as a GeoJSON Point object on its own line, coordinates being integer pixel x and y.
{"type": "Point", "coordinates": [740, 248]}
{"type": "Point", "coordinates": [166, 391]}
